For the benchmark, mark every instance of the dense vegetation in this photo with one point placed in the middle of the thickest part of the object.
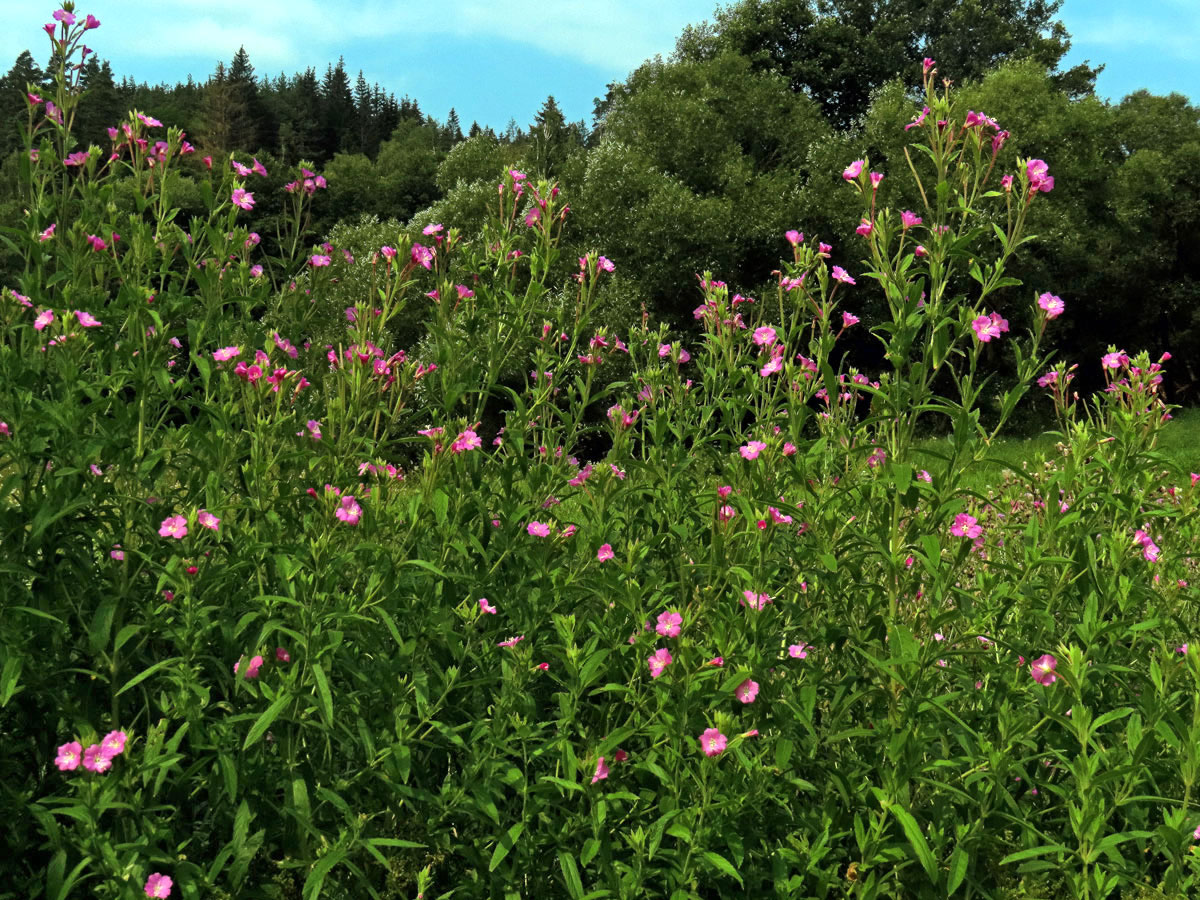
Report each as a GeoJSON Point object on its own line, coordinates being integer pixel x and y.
{"type": "Point", "coordinates": [702, 161]}
{"type": "Point", "coordinates": [422, 561]}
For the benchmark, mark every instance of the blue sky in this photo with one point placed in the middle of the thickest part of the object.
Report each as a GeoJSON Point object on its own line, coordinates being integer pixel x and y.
{"type": "Point", "coordinates": [498, 59]}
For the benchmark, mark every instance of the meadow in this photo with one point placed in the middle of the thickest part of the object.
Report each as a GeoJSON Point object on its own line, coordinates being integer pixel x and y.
{"type": "Point", "coordinates": [533, 607]}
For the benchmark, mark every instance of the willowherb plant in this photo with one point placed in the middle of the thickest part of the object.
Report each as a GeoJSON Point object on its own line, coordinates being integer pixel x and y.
{"type": "Point", "coordinates": [477, 617]}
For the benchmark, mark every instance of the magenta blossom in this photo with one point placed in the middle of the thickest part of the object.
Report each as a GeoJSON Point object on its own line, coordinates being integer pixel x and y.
{"type": "Point", "coordinates": [538, 529]}
{"type": "Point", "coordinates": [242, 198]}
{"type": "Point", "coordinates": [840, 274]}
{"type": "Point", "coordinates": [989, 327]}
{"type": "Point", "coordinates": [157, 885]}
{"type": "Point", "coordinates": [44, 318]}
{"type": "Point", "coordinates": [799, 651]}
{"type": "Point", "coordinates": [205, 519]}
{"type": "Point", "coordinates": [755, 600]}
{"type": "Point", "coordinates": [226, 353]}
{"type": "Point", "coordinates": [317, 260]}
{"type": "Point", "coordinates": [1052, 304]}
{"type": "Point", "coordinates": [69, 756]}
{"type": "Point", "coordinates": [86, 319]}
{"type": "Point", "coordinates": [94, 759]}
{"type": "Point", "coordinates": [1042, 670]}
{"type": "Point", "coordinates": [966, 526]}
{"type": "Point", "coordinates": [113, 743]}
{"type": "Point", "coordinates": [849, 319]}
{"type": "Point", "coordinates": [794, 238]}
{"type": "Point", "coordinates": [747, 691]}
{"type": "Point", "coordinates": [908, 219]}
{"type": "Point", "coordinates": [605, 553]}
{"type": "Point", "coordinates": [486, 607]}
{"type": "Point", "coordinates": [658, 661]}
{"type": "Point", "coordinates": [252, 668]}
{"type": "Point", "coordinates": [468, 440]}
{"type": "Point", "coordinates": [601, 771]}
{"type": "Point", "coordinates": [173, 527]}
{"type": "Point", "coordinates": [669, 624]}
{"type": "Point", "coordinates": [712, 742]}
{"type": "Point", "coordinates": [348, 511]}
{"type": "Point", "coordinates": [752, 449]}
{"type": "Point", "coordinates": [512, 641]}
{"type": "Point", "coordinates": [1040, 178]}
{"type": "Point", "coordinates": [422, 256]}
{"type": "Point", "coordinates": [852, 171]}
{"type": "Point", "coordinates": [764, 336]}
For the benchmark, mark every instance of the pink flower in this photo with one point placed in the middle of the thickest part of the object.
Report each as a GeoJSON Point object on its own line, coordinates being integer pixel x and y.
{"type": "Point", "coordinates": [78, 158]}
{"type": "Point", "coordinates": [1007, 182]}
{"type": "Point", "coordinates": [512, 641]}
{"type": "Point", "coordinates": [422, 256]}
{"type": "Point", "coordinates": [226, 353]}
{"type": "Point", "coordinates": [717, 661]}
{"type": "Point", "coordinates": [1039, 176]}
{"type": "Point", "coordinates": [658, 661]}
{"type": "Point", "coordinates": [1052, 305]}
{"type": "Point", "coordinates": [669, 624]}
{"type": "Point", "coordinates": [117, 553]}
{"type": "Point", "coordinates": [601, 771]}
{"type": "Point", "coordinates": [97, 243]}
{"type": "Point", "coordinates": [908, 219]}
{"type": "Point", "coordinates": [431, 229]}
{"type": "Point", "coordinates": [468, 440]}
{"type": "Point", "coordinates": [853, 170]}
{"type": "Point", "coordinates": [724, 491]}
{"type": "Point", "coordinates": [876, 178]}
{"type": "Point", "coordinates": [252, 668]}
{"type": "Point", "coordinates": [173, 526]}
{"type": "Point", "coordinates": [157, 885]}
{"type": "Point", "coordinates": [988, 327]}
{"type": "Point", "coordinates": [205, 519]}
{"type": "Point", "coordinates": [43, 319]}
{"type": "Point", "coordinates": [865, 228]}
{"type": "Point", "coordinates": [486, 607]}
{"type": "Point", "coordinates": [1112, 360]}
{"type": "Point", "coordinates": [86, 319]}
{"type": "Point", "coordinates": [794, 237]}
{"type": "Point", "coordinates": [840, 274]}
{"type": "Point", "coordinates": [47, 234]}
{"type": "Point", "coordinates": [799, 651]}
{"type": "Point", "coordinates": [849, 319]}
{"type": "Point", "coordinates": [318, 260]}
{"type": "Point", "coordinates": [282, 655]}
{"type": "Point", "coordinates": [63, 16]}
{"type": "Point", "coordinates": [69, 756]}
{"type": "Point", "coordinates": [545, 667]}
{"type": "Point", "coordinates": [752, 449]}
{"type": "Point", "coordinates": [712, 742]}
{"type": "Point", "coordinates": [349, 511]}
{"type": "Point", "coordinates": [1042, 670]}
{"type": "Point", "coordinates": [113, 744]}
{"type": "Point", "coordinates": [94, 760]}
{"type": "Point", "coordinates": [764, 336]}
{"type": "Point", "coordinates": [538, 529]}
{"type": "Point", "coordinates": [243, 198]}
{"type": "Point", "coordinates": [772, 367]}
{"type": "Point", "coordinates": [726, 512]}
{"type": "Point", "coordinates": [754, 600]}
{"type": "Point", "coordinates": [747, 691]}
{"type": "Point", "coordinates": [926, 65]}
{"type": "Point", "coordinates": [605, 553]}
{"type": "Point", "coordinates": [966, 526]}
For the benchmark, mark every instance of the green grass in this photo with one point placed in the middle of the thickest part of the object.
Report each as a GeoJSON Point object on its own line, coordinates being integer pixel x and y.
{"type": "Point", "coordinates": [1180, 442]}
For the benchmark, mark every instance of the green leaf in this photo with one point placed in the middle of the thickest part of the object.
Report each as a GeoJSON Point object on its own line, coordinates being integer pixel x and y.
{"type": "Point", "coordinates": [571, 875]}
{"type": "Point", "coordinates": [721, 864]}
{"type": "Point", "coordinates": [316, 878]}
{"type": "Point", "coordinates": [324, 694]}
{"type": "Point", "coordinates": [146, 673]}
{"type": "Point", "coordinates": [506, 843]}
{"type": "Point", "coordinates": [958, 869]}
{"type": "Point", "coordinates": [1032, 852]}
{"type": "Point", "coordinates": [264, 721]}
{"type": "Point", "coordinates": [917, 839]}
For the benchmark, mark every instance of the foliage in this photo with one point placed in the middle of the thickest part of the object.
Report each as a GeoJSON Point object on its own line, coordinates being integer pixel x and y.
{"type": "Point", "coordinates": [703, 629]}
